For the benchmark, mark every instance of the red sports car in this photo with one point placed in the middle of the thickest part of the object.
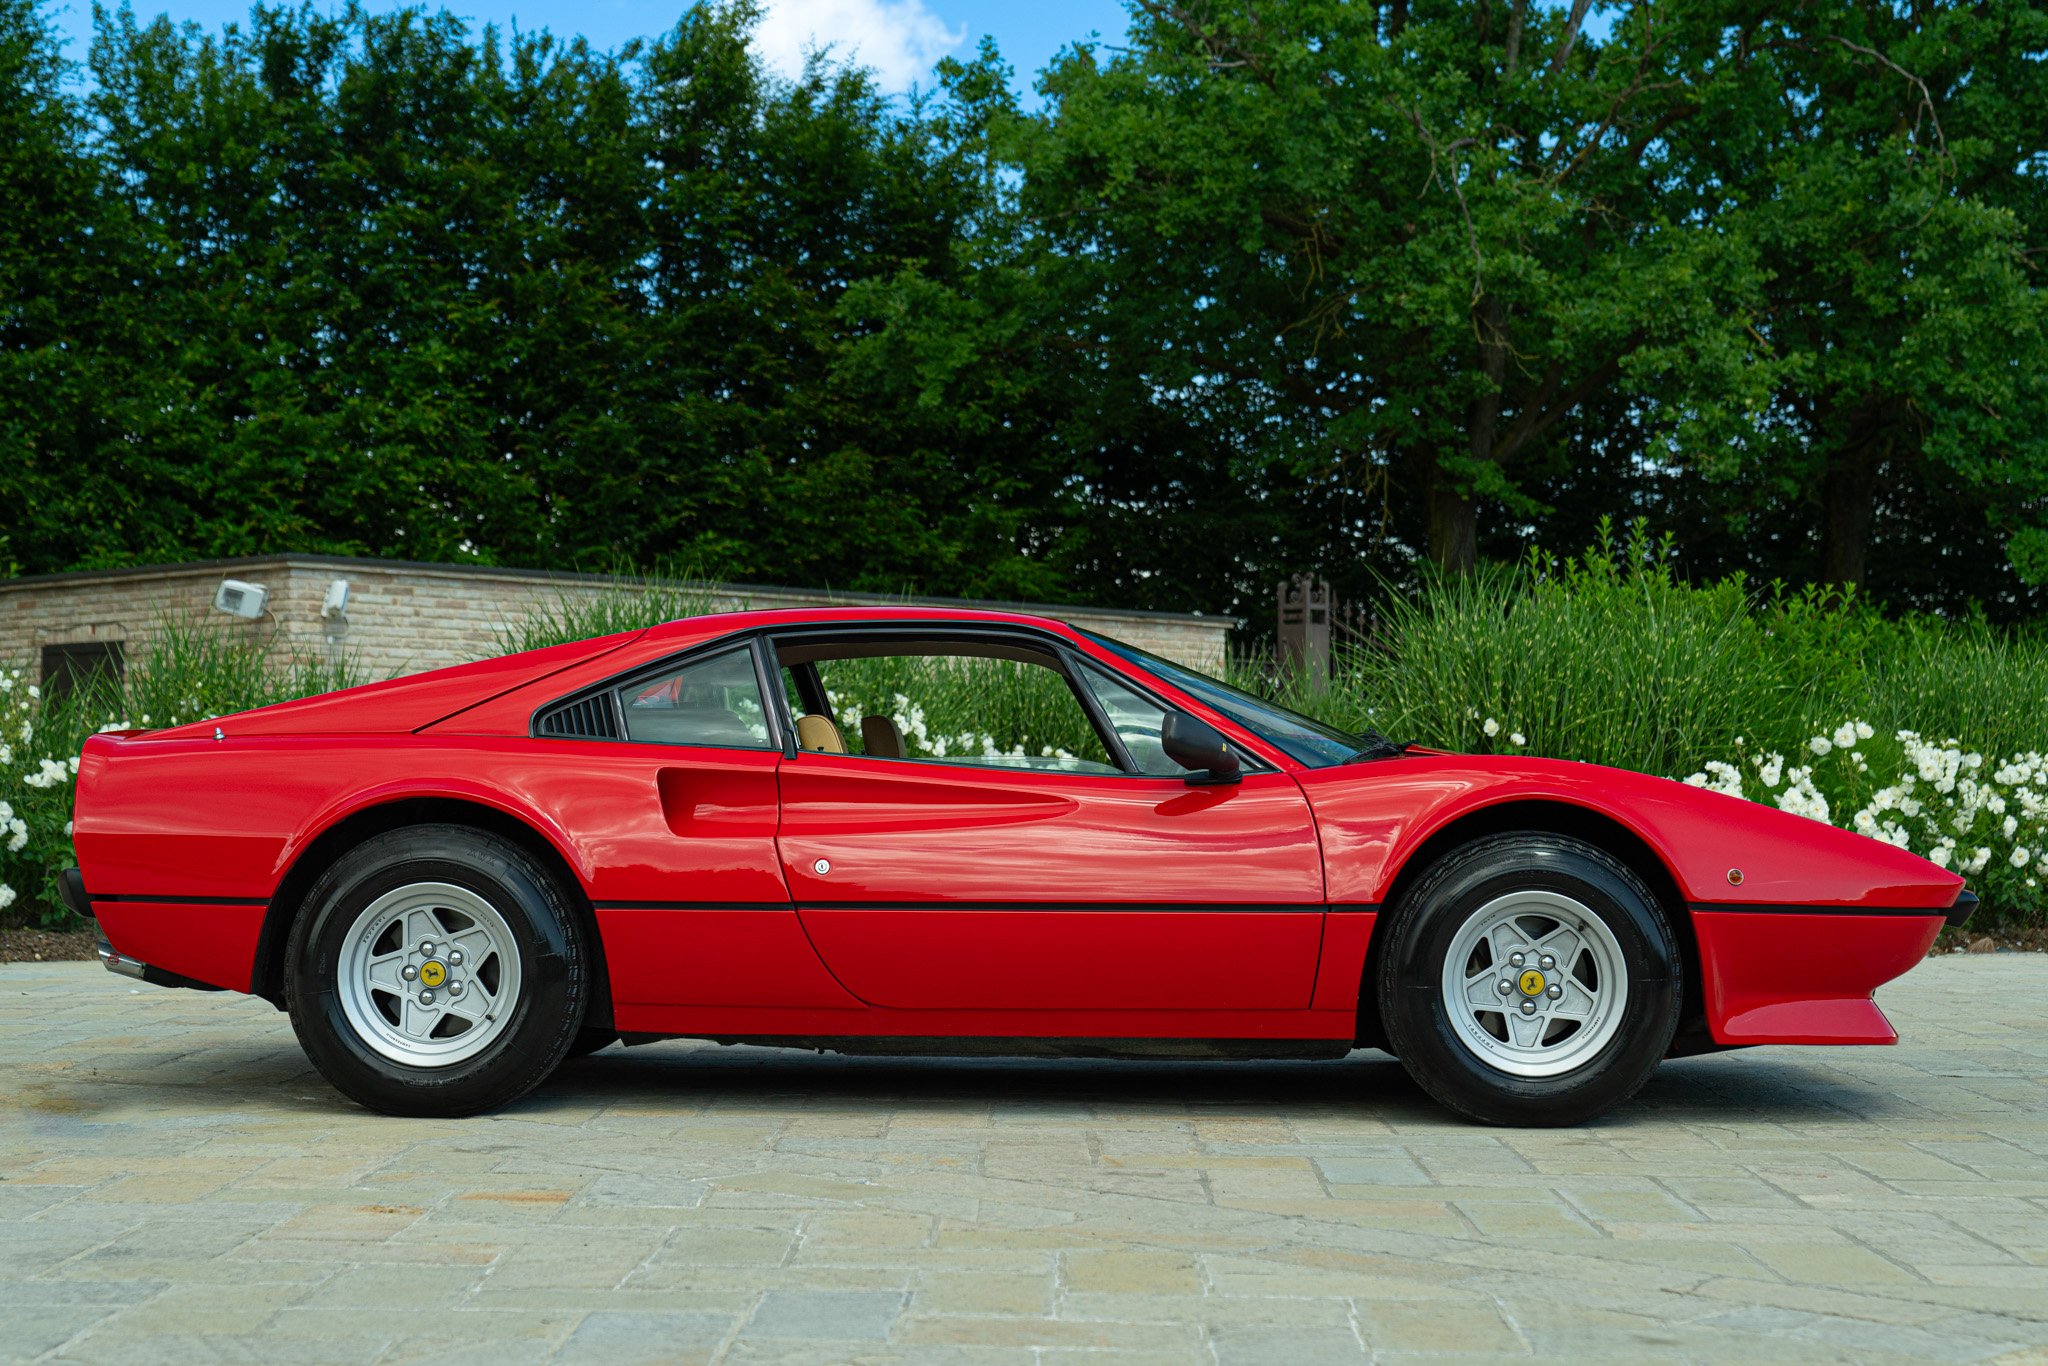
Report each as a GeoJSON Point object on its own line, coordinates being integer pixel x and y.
{"type": "Point", "coordinates": [763, 827]}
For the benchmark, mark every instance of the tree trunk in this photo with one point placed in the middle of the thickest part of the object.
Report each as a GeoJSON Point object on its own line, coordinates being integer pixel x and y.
{"type": "Point", "coordinates": [1848, 505]}
{"type": "Point", "coordinates": [1453, 518]}
{"type": "Point", "coordinates": [1453, 529]}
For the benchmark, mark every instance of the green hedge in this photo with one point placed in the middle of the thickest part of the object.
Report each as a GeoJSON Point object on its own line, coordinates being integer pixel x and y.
{"type": "Point", "coordinates": [1924, 731]}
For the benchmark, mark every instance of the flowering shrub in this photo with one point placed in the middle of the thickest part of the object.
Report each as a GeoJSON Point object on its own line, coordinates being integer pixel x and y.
{"type": "Point", "coordinates": [35, 800]}
{"type": "Point", "coordinates": [1986, 818]}
{"type": "Point", "coordinates": [191, 672]}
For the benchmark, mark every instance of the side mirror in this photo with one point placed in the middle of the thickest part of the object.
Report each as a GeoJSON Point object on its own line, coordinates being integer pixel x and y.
{"type": "Point", "coordinates": [1200, 748]}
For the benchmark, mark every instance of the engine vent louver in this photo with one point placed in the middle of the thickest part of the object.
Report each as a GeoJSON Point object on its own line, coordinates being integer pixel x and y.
{"type": "Point", "coordinates": [589, 718]}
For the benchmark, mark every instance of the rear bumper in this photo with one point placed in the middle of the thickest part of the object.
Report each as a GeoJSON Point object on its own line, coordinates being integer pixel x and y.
{"type": "Point", "coordinates": [71, 887]}
{"type": "Point", "coordinates": [117, 962]}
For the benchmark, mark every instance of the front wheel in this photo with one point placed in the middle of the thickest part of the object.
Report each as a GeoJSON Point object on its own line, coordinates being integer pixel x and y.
{"type": "Point", "coordinates": [1530, 979]}
{"type": "Point", "coordinates": [436, 970]}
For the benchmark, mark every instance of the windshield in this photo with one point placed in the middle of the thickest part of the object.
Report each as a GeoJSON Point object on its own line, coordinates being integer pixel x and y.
{"type": "Point", "coordinates": [1299, 738]}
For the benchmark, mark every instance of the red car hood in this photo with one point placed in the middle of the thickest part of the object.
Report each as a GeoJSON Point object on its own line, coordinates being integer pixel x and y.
{"type": "Point", "coordinates": [404, 704]}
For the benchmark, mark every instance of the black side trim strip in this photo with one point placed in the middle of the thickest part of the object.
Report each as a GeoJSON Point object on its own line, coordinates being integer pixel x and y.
{"type": "Point", "coordinates": [1354, 908]}
{"type": "Point", "coordinates": [185, 900]}
{"type": "Point", "coordinates": [1288, 908]}
{"type": "Point", "coordinates": [1759, 908]}
{"type": "Point", "coordinates": [1282, 908]}
{"type": "Point", "coordinates": [692, 906]}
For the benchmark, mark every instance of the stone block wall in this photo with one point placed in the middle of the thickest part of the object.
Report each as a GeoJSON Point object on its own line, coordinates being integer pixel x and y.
{"type": "Point", "coordinates": [404, 618]}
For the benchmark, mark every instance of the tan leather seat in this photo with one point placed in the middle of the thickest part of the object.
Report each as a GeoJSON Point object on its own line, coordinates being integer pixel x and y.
{"type": "Point", "coordinates": [815, 732]}
{"type": "Point", "coordinates": [880, 738]}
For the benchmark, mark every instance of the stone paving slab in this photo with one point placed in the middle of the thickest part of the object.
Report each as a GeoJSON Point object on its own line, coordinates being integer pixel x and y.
{"type": "Point", "coordinates": [176, 1184]}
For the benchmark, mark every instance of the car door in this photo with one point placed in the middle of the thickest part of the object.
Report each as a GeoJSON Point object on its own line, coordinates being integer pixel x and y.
{"type": "Point", "coordinates": [669, 776]}
{"type": "Point", "coordinates": [1003, 881]}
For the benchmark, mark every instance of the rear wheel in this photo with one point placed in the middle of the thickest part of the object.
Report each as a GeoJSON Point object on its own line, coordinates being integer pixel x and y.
{"type": "Point", "coordinates": [1530, 979]}
{"type": "Point", "coordinates": [436, 970]}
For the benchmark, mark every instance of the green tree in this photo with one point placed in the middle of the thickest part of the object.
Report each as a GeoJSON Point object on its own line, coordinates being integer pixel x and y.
{"type": "Point", "coordinates": [1382, 253]}
{"type": "Point", "coordinates": [59, 265]}
{"type": "Point", "coordinates": [1895, 208]}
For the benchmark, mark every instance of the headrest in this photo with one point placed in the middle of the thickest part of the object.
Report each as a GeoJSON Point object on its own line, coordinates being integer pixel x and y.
{"type": "Point", "coordinates": [817, 732]}
{"type": "Point", "coordinates": [880, 738]}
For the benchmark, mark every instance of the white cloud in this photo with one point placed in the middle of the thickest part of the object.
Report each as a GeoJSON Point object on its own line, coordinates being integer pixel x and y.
{"type": "Point", "coordinates": [900, 39]}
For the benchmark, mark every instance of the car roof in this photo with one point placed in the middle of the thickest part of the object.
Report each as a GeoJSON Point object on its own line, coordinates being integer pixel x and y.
{"type": "Point", "coordinates": [719, 623]}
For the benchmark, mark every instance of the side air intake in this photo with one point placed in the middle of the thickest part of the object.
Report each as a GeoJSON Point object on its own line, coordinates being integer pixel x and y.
{"type": "Point", "coordinates": [589, 718]}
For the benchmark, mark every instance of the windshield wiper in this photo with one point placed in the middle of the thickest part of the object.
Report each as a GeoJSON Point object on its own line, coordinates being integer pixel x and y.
{"type": "Point", "coordinates": [1374, 745]}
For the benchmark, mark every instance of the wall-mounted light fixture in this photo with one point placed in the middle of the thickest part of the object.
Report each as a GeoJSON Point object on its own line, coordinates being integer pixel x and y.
{"type": "Point", "coordinates": [334, 607]}
{"type": "Point", "coordinates": [238, 599]}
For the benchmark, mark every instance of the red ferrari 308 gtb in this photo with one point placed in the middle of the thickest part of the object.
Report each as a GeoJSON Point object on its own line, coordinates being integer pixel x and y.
{"type": "Point", "coordinates": [454, 881]}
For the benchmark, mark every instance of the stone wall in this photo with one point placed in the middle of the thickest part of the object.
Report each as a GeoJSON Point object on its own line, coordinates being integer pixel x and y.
{"type": "Point", "coordinates": [403, 618]}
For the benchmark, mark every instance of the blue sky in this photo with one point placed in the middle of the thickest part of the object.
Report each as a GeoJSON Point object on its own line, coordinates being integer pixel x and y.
{"type": "Point", "coordinates": [899, 38]}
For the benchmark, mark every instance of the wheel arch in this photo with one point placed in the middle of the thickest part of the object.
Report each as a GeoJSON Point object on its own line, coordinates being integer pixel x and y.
{"type": "Point", "coordinates": [1551, 817]}
{"type": "Point", "coordinates": [397, 813]}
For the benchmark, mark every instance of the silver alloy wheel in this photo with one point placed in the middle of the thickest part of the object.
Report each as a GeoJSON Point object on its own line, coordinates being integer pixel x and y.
{"type": "Point", "coordinates": [429, 974]}
{"type": "Point", "coordinates": [1534, 984]}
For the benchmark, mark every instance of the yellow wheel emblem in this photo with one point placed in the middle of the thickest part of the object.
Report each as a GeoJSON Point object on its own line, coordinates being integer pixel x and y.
{"type": "Point", "coordinates": [433, 974]}
{"type": "Point", "coordinates": [1532, 981]}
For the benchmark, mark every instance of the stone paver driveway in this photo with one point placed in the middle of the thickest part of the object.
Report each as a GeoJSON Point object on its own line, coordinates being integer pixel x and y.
{"type": "Point", "coordinates": [178, 1185]}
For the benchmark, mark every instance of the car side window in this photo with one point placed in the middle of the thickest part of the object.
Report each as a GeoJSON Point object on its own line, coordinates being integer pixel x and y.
{"type": "Point", "coordinates": [958, 709]}
{"type": "Point", "coordinates": [715, 701]}
{"type": "Point", "coordinates": [1136, 719]}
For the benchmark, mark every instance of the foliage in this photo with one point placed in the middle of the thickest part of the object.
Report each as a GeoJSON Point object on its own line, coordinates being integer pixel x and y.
{"type": "Point", "coordinates": [959, 706]}
{"type": "Point", "coordinates": [1278, 285]}
{"type": "Point", "coordinates": [1817, 704]}
{"type": "Point", "coordinates": [364, 284]}
{"type": "Point", "coordinates": [189, 673]}
{"type": "Point", "coordinates": [627, 603]}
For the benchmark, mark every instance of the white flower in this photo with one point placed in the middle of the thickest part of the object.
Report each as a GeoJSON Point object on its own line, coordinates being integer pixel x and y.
{"type": "Point", "coordinates": [1845, 735]}
{"type": "Point", "coordinates": [1517, 739]}
{"type": "Point", "coordinates": [6, 896]}
{"type": "Point", "coordinates": [2010, 826]}
{"type": "Point", "coordinates": [1863, 730]}
{"type": "Point", "coordinates": [17, 836]}
{"type": "Point", "coordinates": [1940, 855]}
{"type": "Point", "coordinates": [1820, 745]}
{"type": "Point", "coordinates": [2019, 856]}
{"type": "Point", "coordinates": [48, 775]}
{"type": "Point", "coordinates": [1720, 777]}
{"type": "Point", "coordinates": [1491, 727]}
{"type": "Point", "coordinates": [34, 691]}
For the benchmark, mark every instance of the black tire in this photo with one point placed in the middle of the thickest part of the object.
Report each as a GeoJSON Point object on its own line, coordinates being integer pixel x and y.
{"type": "Point", "coordinates": [1425, 920]}
{"type": "Point", "coordinates": [554, 968]}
